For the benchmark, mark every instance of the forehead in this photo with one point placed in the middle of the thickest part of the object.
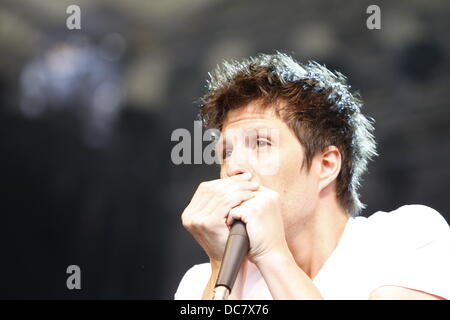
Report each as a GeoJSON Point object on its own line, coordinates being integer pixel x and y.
{"type": "Point", "coordinates": [251, 114]}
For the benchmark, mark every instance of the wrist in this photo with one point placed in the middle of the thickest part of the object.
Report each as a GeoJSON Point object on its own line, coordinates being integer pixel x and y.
{"type": "Point", "coordinates": [215, 264]}
{"type": "Point", "coordinates": [208, 292]}
{"type": "Point", "coordinates": [275, 258]}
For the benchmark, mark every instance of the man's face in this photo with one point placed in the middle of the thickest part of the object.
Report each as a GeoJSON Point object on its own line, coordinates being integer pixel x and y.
{"type": "Point", "coordinates": [256, 140]}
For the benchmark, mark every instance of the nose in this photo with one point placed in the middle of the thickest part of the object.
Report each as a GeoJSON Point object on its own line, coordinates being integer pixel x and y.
{"type": "Point", "coordinates": [236, 163]}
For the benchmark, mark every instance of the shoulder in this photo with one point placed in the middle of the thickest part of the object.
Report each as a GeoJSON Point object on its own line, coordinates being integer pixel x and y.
{"type": "Point", "coordinates": [193, 283]}
{"type": "Point", "coordinates": [412, 213]}
{"type": "Point", "coordinates": [413, 245]}
{"type": "Point", "coordinates": [415, 224]}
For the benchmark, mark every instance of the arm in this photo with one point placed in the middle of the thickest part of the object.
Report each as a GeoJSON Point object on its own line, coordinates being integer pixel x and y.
{"type": "Point", "coordinates": [285, 279]}
{"type": "Point", "coordinates": [289, 282]}
{"type": "Point", "coordinates": [401, 293]}
{"type": "Point", "coordinates": [209, 289]}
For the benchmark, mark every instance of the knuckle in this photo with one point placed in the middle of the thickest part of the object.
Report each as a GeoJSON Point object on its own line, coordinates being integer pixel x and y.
{"type": "Point", "coordinates": [201, 225]}
{"type": "Point", "coordinates": [192, 223]}
{"type": "Point", "coordinates": [184, 215]}
{"type": "Point", "coordinates": [187, 223]}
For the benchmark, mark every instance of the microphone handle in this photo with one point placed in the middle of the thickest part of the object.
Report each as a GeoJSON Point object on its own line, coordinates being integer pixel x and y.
{"type": "Point", "coordinates": [235, 251]}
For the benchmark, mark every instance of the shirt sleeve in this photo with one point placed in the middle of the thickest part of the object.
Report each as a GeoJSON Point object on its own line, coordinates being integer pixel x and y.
{"type": "Point", "coordinates": [194, 282]}
{"type": "Point", "coordinates": [422, 259]}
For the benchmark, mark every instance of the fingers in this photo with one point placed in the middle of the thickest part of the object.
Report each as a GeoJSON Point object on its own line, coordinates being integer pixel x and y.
{"type": "Point", "coordinates": [231, 181]}
{"type": "Point", "coordinates": [217, 197]}
{"type": "Point", "coordinates": [247, 209]}
{"type": "Point", "coordinates": [236, 198]}
{"type": "Point", "coordinates": [237, 213]}
{"type": "Point", "coordinates": [208, 189]}
{"type": "Point", "coordinates": [222, 206]}
{"type": "Point", "coordinates": [238, 186]}
{"type": "Point", "coordinates": [226, 195]}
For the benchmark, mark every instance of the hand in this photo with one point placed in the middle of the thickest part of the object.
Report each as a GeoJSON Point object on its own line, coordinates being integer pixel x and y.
{"type": "Point", "coordinates": [205, 216]}
{"type": "Point", "coordinates": [262, 216]}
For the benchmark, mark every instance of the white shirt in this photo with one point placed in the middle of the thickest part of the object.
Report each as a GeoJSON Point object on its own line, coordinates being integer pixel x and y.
{"type": "Point", "coordinates": [408, 247]}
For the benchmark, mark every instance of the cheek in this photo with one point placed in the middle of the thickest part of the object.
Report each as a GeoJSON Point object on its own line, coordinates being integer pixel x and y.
{"type": "Point", "coordinates": [290, 169]}
{"type": "Point", "coordinates": [286, 179]}
{"type": "Point", "coordinates": [293, 184]}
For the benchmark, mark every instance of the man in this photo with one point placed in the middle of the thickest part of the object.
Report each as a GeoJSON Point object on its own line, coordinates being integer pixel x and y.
{"type": "Point", "coordinates": [294, 145]}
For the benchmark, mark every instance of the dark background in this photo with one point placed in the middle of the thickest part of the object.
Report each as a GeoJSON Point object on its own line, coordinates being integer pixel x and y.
{"type": "Point", "coordinates": [86, 117]}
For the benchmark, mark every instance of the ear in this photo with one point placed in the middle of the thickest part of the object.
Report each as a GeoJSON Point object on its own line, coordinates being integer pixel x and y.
{"type": "Point", "coordinates": [328, 166]}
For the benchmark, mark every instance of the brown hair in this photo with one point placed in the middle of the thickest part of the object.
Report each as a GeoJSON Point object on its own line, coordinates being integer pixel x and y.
{"type": "Point", "coordinates": [316, 105]}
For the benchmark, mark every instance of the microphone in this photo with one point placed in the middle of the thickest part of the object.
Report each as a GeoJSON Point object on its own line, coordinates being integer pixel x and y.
{"type": "Point", "coordinates": [236, 249]}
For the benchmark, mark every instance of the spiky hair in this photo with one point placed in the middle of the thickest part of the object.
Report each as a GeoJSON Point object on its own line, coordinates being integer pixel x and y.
{"type": "Point", "coordinates": [281, 74]}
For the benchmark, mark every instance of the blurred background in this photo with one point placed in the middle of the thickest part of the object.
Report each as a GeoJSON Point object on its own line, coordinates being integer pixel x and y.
{"type": "Point", "coordinates": [86, 117]}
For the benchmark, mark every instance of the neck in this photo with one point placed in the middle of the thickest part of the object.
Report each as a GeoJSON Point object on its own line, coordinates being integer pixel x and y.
{"type": "Point", "coordinates": [315, 239]}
